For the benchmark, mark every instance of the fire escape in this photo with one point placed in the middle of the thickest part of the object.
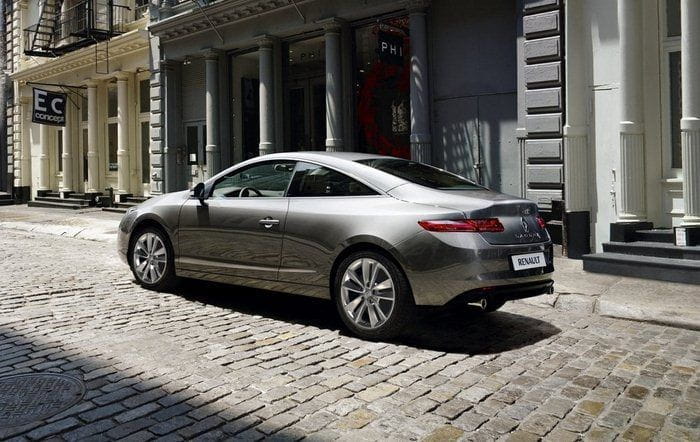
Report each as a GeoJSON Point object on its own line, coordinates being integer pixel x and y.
{"type": "Point", "coordinates": [78, 24]}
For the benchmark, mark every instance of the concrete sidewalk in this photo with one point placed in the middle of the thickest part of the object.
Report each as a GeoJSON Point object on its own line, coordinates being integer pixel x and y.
{"type": "Point", "coordinates": [575, 290]}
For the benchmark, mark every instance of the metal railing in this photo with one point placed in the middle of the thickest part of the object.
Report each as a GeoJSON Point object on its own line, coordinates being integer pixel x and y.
{"type": "Point", "coordinates": [87, 21]}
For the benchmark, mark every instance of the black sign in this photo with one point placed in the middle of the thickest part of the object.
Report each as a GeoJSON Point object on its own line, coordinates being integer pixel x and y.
{"type": "Point", "coordinates": [49, 108]}
{"type": "Point", "coordinates": [390, 48]}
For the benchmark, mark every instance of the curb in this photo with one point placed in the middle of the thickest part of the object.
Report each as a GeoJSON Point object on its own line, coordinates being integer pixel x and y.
{"type": "Point", "coordinates": [61, 230]}
{"type": "Point", "coordinates": [599, 305]}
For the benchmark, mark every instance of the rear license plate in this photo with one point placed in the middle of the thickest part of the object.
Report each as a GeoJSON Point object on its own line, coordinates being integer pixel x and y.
{"type": "Point", "coordinates": [528, 261]}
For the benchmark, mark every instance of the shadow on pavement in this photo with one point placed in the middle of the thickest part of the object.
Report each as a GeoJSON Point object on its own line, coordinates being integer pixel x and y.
{"type": "Point", "coordinates": [455, 329]}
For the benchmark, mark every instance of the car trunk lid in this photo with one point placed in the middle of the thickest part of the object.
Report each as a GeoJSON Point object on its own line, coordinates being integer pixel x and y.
{"type": "Point", "coordinates": [518, 215]}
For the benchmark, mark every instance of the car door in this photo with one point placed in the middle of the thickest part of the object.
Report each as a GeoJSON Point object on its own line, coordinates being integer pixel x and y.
{"type": "Point", "coordinates": [238, 231]}
{"type": "Point", "coordinates": [325, 207]}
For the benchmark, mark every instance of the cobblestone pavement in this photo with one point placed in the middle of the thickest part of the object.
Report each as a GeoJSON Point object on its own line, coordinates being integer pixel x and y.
{"type": "Point", "coordinates": [216, 362]}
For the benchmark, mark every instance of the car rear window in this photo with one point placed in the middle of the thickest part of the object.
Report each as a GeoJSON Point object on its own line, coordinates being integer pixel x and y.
{"type": "Point", "coordinates": [420, 173]}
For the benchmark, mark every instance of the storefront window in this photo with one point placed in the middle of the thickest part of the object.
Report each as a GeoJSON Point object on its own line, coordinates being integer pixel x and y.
{"type": "Point", "coordinates": [382, 87]}
{"type": "Point", "coordinates": [674, 61]}
{"type": "Point", "coordinates": [59, 150]}
{"type": "Point", "coordinates": [144, 96]}
{"type": "Point", "coordinates": [145, 157]}
{"type": "Point", "coordinates": [305, 87]}
{"type": "Point", "coordinates": [112, 145]}
{"type": "Point", "coordinates": [112, 101]}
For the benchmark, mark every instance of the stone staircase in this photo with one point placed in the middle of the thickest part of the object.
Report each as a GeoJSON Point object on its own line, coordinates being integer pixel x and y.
{"type": "Point", "coordinates": [125, 203]}
{"type": "Point", "coordinates": [6, 199]}
{"type": "Point", "coordinates": [651, 254]}
{"type": "Point", "coordinates": [70, 200]}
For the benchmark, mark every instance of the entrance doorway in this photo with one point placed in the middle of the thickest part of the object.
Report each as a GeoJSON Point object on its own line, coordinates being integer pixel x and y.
{"type": "Point", "coordinates": [307, 106]}
{"type": "Point", "coordinates": [305, 95]}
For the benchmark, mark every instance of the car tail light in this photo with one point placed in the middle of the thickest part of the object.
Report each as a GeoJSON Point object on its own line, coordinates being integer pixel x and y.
{"type": "Point", "coordinates": [463, 225]}
{"type": "Point", "coordinates": [541, 222]}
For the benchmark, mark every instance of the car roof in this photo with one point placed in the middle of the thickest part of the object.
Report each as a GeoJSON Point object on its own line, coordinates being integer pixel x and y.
{"type": "Point", "coordinates": [343, 161]}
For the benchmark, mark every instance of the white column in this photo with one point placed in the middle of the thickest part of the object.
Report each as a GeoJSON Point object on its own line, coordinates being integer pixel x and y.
{"type": "Point", "coordinates": [123, 171]}
{"type": "Point", "coordinates": [213, 151]}
{"type": "Point", "coordinates": [67, 156]}
{"type": "Point", "coordinates": [632, 206]}
{"type": "Point", "coordinates": [334, 87]}
{"type": "Point", "coordinates": [25, 142]}
{"type": "Point", "coordinates": [93, 165]}
{"type": "Point", "coordinates": [44, 140]}
{"type": "Point", "coordinates": [575, 130]}
{"type": "Point", "coordinates": [267, 99]}
{"type": "Point", "coordinates": [690, 121]}
{"type": "Point", "coordinates": [420, 85]}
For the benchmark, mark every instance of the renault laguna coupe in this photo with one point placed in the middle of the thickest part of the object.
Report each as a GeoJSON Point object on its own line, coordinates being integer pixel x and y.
{"type": "Point", "coordinates": [377, 235]}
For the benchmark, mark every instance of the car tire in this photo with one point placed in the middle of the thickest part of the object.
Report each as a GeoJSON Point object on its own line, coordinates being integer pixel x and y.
{"type": "Point", "coordinates": [392, 320]}
{"type": "Point", "coordinates": [490, 305]}
{"type": "Point", "coordinates": [159, 273]}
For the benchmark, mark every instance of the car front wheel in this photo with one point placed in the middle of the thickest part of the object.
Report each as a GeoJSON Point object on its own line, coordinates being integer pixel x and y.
{"type": "Point", "coordinates": [151, 259]}
{"type": "Point", "coordinates": [372, 295]}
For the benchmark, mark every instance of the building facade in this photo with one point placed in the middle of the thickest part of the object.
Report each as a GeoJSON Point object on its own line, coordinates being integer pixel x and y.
{"type": "Point", "coordinates": [632, 134]}
{"type": "Point", "coordinates": [433, 81]}
{"type": "Point", "coordinates": [97, 53]}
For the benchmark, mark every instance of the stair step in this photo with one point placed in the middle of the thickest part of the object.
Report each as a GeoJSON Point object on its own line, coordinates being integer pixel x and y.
{"type": "Point", "coordinates": [6, 202]}
{"type": "Point", "coordinates": [655, 235]}
{"type": "Point", "coordinates": [647, 267]}
{"type": "Point", "coordinates": [114, 209]}
{"type": "Point", "coordinates": [52, 199]}
{"type": "Point", "coordinates": [126, 205]}
{"type": "Point", "coordinates": [55, 205]}
{"type": "Point", "coordinates": [651, 248]}
{"type": "Point", "coordinates": [137, 199]}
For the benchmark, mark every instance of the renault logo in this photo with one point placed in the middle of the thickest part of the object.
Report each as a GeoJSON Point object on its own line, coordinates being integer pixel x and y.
{"type": "Point", "coordinates": [526, 228]}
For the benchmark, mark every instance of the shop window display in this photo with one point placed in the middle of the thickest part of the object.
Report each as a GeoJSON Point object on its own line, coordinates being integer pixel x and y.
{"type": "Point", "coordinates": [382, 87]}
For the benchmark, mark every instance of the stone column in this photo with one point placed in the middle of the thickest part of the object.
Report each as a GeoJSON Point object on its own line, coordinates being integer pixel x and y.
{"type": "Point", "coordinates": [213, 152]}
{"type": "Point", "coordinates": [690, 121]}
{"type": "Point", "coordinates": [171, 125]}
{"type": "Point", "coordinates": [67, 156]}
{"type": "Point", "coordinates": [632, 207]}
{"type": "Point", "coordinates": [123, 173]}
{"type": "Point", "coordinates": [576, 185]}
{"type": "Point", "coordinates": [44, 140]}
{"type": "Point", "coordinates": [93, 165]}
{"type": "Point", "coordinates": [334, 87]}
{"type": "Point", "coordinates": [267, 99]}
{"type": "Point", "coordinates": [420, 84]}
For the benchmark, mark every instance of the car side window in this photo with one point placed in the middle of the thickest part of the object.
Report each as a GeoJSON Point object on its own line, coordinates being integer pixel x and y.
{"type": "Point", "coordinates": [269, 179]}
{"type": "Point", "coordinates": [314, 180]}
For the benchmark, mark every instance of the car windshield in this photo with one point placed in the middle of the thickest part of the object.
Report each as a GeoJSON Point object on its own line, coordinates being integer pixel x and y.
{"type": "Point", "coordinates": [422, 174]}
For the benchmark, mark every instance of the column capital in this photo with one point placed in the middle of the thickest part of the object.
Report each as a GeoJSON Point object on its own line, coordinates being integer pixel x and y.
{"type": "Point", "coordinates": [90, 82]}
{"type": "Point", "coordinates": [266, 41]}
{"type": "Point", "coordinates": [212, 54]}
{"type": "Point", "coordinates": [122, 75]}
{"type": "Point", "coordinates": [417, 6]}
{"type": "Point", "coordinates": [332, 25]}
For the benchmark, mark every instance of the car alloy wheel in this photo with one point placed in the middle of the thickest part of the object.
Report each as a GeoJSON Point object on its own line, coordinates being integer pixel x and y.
{"type": "Point", "coordinates": [367, 293]}
{"type": "Point", "coordinates": [150, 258]}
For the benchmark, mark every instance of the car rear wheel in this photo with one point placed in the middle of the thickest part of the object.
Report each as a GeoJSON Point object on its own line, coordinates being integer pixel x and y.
{"type": "Point", "coordinates": [151, 259]}
{"type": "Point", "coordinates": [372, 295]}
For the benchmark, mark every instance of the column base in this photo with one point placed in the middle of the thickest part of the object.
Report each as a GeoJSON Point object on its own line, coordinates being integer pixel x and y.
{"type": "Point", "coordinates": [624, 231]}
{"type": "Point", "coordinates": [577, 234]}
{"type": "Point", "coordinates": [334, 145]}
{"type": "Point", "coordinates": [690, 221]}
{"type": "Point", "coordinates": [266, 148]}
{"type": "Point", "coordinates": [21, 194]}
{"type": "Point", "coordinates": [689, 235]}
{"type": "Point", "coordinates": [420, 152]}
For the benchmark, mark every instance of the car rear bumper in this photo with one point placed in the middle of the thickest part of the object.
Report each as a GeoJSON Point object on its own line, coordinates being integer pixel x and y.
{"type": "Point", "coordinates": [443, 266]}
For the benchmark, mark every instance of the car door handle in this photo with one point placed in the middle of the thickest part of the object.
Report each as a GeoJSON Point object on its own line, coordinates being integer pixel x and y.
{"type": "Point", "coordinates": [269, 222]}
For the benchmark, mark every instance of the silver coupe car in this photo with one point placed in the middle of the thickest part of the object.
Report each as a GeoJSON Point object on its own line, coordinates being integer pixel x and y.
{"type": "Point", "coordinates": [375, 234]}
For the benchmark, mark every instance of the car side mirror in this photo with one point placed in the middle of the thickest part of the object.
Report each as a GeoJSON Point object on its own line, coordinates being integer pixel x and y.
{"type": "Point", "coordinates": [199, 193]}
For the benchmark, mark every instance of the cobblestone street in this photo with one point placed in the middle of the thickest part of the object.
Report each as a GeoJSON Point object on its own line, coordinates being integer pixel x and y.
{"type": "Point", "coordinates": [216, 362]}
